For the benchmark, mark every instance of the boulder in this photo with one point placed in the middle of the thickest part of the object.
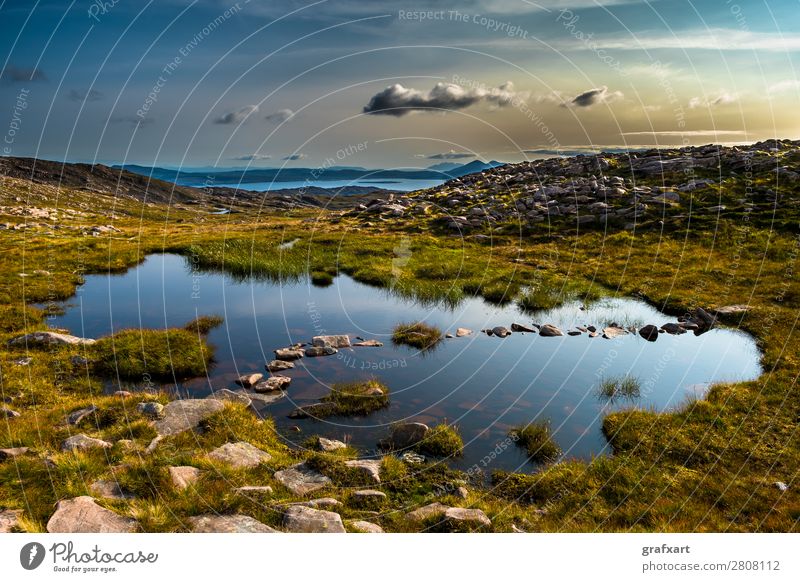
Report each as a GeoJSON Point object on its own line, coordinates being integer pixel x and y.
{"type": "Point", "coordinates": [365, 527]}
{"type": "Point", "coordinates": [49, 338]}
{"type": "Point", "coordinates": [706, 320]}
{"type": "Point", "coordinates": [369, 344]}
{"type": "Point", "coordinates": [406, 435]}
{"type": "Point", "coordinates": [549, 330]}
{"type": "Point", "coordinates": [461, 516]}
{"type": "Point", "coordinates": [154, 410]}
{"type": "Point", "coordinates": [12, 453]}
{"type": "Point", "coordinates": [334, 341]}
{"type": "Point", "coordinates": [329, 445]}
{"type": "Point", "coordinates": [500, 331]}
{"type": "Point", "coordinates": [76, 416]}
{"type": "Point", "coordinates": [522, 328]}
{"type": "Point", "coordinates": [239, 455]}
{"type": "Point", "coordinates": [673, 329]}
{"type": "Point", "coordinates": [300, 479]}
{"type": "Point", "coordinates": [299, 519]}
{"type": "Point", "coordinates": [426, 512]}
{"type": "Point", "coordinates": [249, 380]}
{"type": "Point", "coordinates": [109, 489]}
{"type": "Point", "coordinates": [228, 524]}
{"type": "Point", "coordinates": [81, 442]}
{"type": "Point", "coordinates": [9, 519]}
{"type": "Point", "coordinates": [370, 467]}
{"type": "Point", "coordinates": [289, 354]}
{"type": "Point", "coordinates": [649, 332]}
{"type": "Point", "coordinates": [368, 497]}
{"type": "Point", "coordinates": [183, 415]}
{"type": "Point", "coordinates": [265, 399]}
{"type": "Point", "coordinates": [463, 331]}
{"type": "Point", "coordinates": [254, 490]}
{"type": "Point", "coordinates": [279, 366]}
{"type": "Point", "coordinates": [317, 351]}
{"type": "Point", "coordinates": [229, 395]}
{"type": "Point", "coordinates": [182, 477]}
{"type": "Point", "coordinates": [83, 515]}
{"type": "Point", "coordinates": [613, 331]}
{"type": "Point", "coordinates": [272, 384]}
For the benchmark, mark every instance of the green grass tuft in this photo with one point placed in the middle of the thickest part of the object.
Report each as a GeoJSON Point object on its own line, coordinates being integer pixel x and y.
{"type": "Point", "coordinates": [537, 440]}
{"type": "Point", "coordinates": [628, 387]}
{"type": "Point", "coordinates": [204, 324]}
{"type": "Point", "coordinates": [357, 398]}
{"type": "Point", "coordinates": [417, 335]}
{"type": "Point", "coordinates": [442, 440]}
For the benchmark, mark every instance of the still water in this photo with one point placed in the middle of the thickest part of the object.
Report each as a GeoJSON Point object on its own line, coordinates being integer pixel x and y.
{"type": "Point", "coordinates": [485, 385]}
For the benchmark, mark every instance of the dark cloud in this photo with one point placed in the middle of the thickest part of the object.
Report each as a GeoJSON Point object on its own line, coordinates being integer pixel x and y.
{"type": "Point", "coordinates": [133, 120]}
{"type": "Point", "coordinates": [451, 155]}
{"type": "Point", "coordinates": [92, 95]}
{"type": "Point", "coordinates": [280, 115]}
{"type": "Point", "coordinates": [236, 116]}
{"type": "Point", "coordinates": [397, 100]}
{"type": "Point", "coordinates": [593, 97]}
{"type": "Point", "coordinates": [295, 157]}
{"type": "Point", "coordinates": [14, 74]}
{"type": "Point", "coordinates": [253, 158]}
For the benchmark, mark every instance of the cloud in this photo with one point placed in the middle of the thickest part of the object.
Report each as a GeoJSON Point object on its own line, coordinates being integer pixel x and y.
{"type": "Point", "coordinates": [784, 86]}
{"type": "Point", "coordinates": [593, 97]}
{"type": "Point", "coordinates": [451, 155]}
{"type": "Point", "coordinates": [237, 116]}
{"type": "Point", "coordinates": [719, 39]}
{"type": "Point", "coordinates": [253, 158]}
{"type": "Point", "coordinates": [397, 100]}
{"type": "Point", "coordinates": [692, 133]}
{"type": "Point", "coordinates": [92, 95]}
{"type": "Point", "coordinates": [721, 98]}
{"type": "Point", "coordinates": [280, 115]}
{"type": "Point", "coordinates": [295, 157]}
{"type": "Point", "coordinates": [14, 74]}
{"type": "Point", "coordinates": [133, 120]}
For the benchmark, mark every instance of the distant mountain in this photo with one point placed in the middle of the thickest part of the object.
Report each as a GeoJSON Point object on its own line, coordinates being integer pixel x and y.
{"type": "Point", "coordinates": [311, 175]}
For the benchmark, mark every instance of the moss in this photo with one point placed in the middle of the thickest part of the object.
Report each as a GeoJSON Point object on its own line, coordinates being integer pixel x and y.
{"type": "Point", "coordinates": [417, 335]}
{"type": "Point", "coordinates": [355, 398]}
{"type": "Point", "coordinates": [138, 354]}
{"type": "Point", "coordinates": [442, 440]}
{"type": "Point", "coordinates": [537, 441]}
{"type": "Point", "coordinates": [203, 324]}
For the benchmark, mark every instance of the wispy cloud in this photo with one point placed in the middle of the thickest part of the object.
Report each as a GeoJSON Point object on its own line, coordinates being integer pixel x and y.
{"type": "Point", "coordinates": [252, 158]}
{"type": "Point", "coordinates": [79, 96]}
{"type": "Point", "coordinates": [294, 157]}
{"type": "Point", "coordinates": [133, 120]}
{"type": "Point", "coordinates": [593, 97]}
{"type": "Point", "coordinates": [280, 115]}
{"type": "Point", "coordinates": [724, 39]}
{"type": "Point", "coordinates": [784, 87]}
{"type": "Point", "coordinates": [451, 155]}
{"type": "Point", "coordinates": [397, 100]}
{"type": "Point", "coordinates": [237, 116]}
{"type": "Point", "coordinates": [721, 98]}
{"type": "Point", "coordinates": [14, 74]}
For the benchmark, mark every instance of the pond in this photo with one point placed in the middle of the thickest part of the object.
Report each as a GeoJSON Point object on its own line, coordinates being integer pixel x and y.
{"type": "Point", "coordinates": [485, 385]}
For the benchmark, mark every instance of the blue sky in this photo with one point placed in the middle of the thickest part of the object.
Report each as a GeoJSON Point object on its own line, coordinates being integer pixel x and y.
{"type": "Point", "coordinates": [214, 82]}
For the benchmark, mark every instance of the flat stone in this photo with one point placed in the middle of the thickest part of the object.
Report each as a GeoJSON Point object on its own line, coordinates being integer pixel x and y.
{"type": "Point", "coordinates": [673, 329]}
{"type": "Point", "coordinates": [153, 410]}
{"type": "Point", "coordinates": [299, 519]}
{"type": "Point", "coordinates": [732, 309]}
{"type": "Point", "coordinates": [549, 330]}
{"type": "Point", "coordinates": [9, 519]}
{"type": "Point", "coordinates": [301, 479]}
{"type": "Point", "coordinates": [368, 497]}
{"type": "Point", "coordinates": [109, 490]}
{"type": "Point", "coordinates": [288, 354]}
{"type": "Point", "coordinates": [76, 416]}
{"type": "Point", "coordinates": [319, 503]}
{"type": "Point", "coordinates": [12, 452]}
{"type": "Point", "coordinates": [49, 338]}
{"type": "Point", "coordinates": [279, 366]}
{"type": "Point", "coordinates": [123, 394]}
{"type": "Point", "coordinates": [83, 515]}
{"type": "Point", "coordinates": [266, 398]}
{"type": "Point", "coordinates": [254, 490]}
{"type": "Point", "coordinates": [230, 396]}
{"type": "Point", "coordinates": [372, 468]}
{"type": "Point", "coordinates": [248, 380]}
{"type": "Point", "coordinates": [431, 511]}
{"type": "Point", "coordinates": [335, 341]}
{"type": "Point", "coordinates": [365, 527]}
{"type": "Point", "coordinates": [239, 455]}
{"type": "Point", "coordinates": [317, 351]}
{"type": "Point", "coordinates": [183, 415]}
{"type": "Point", "coordinates": [463, 331]}
{"type": "Point", "coordinates": [228, 524]}
{"type": "Point", "coordinates": [500, 331]}
{"type": "Point", "coordinates": [81, 442]}
{"type": "Point", "coordinates": [184, 476]}
{"type": "Point", "coordinates": [272, 384]}
{"type": "Point", "coordinates": [369, 344]}
{"type": "Point", "coordinates": [464, 516]}
{"type": "Point", "coordinates": [574, 332]}
{"type": "Point", "coordinates": [613, 331]}
{"type": "Point", "coordinates": [522, 328]}
{"type": "Point", "coordinates": [329, 445]}
{"type": "Point", "coordinates": [6, 412]}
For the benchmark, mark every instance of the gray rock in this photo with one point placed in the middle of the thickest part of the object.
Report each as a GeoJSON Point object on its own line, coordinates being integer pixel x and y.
{"type": "Point", "coordinates": [288, 354]}
{"type": "Point", "coordinates": [365, 527]}
{"type": "Point", "coordinates": [461, 492]}
{"type": "Point", "coordinates": [253, 491]}
{"type": "Point", "coordinates": [109, 489]}
{"type": "Point", "coordinates": [184, 476]}
{"type": "Point", "coordinates": [406, 435]}
{"type": "Point", "coordinates": [279, 366]}
{"type": "Point", "coordinates": [334, 341]}
{"type": "Point", "coordinates": [457, 516]}
{"type": "Point", "coordinates": [267, 398]}
{"type": "Point", "coordinates": [248, 380]}
{"type": "Point", "coordinates": [574, 332]}
{"type": "Point", "coordinates": [9, 519]}
{"type": "Point", "coordinates": [228, 524]}
{"type": "Point", "coordinates": [522, 328]}
{"type": "Point", "coordinates": [673, 329]}
{"type": "Point", "coordinates": [23, 361]}
{"type": "Point", "coordinates": [272, 384]}
{"type": "Point", "coordinates": [299, 519]}
{"type": "Point", "coordinates": [6, 412]}
{"type": "Point", "coordinates": [370, 467]}
{"type": "Point", "coordinates": [613, 331]}
{"type": "Point", "coordinates": [83, 515]}
{"type": "Point", "coordinates": [463, 331]}
{"type": "Point", "coordinates": [549, 330]}
{"type": "Point", "coordinates": [81, 442]}
{"type": "Point", "coordinates": [431, 511]}
{"type": "Point", "coordinates": [500, 331]}
{"type": "Point", "coordinates": [368, 497]}
{"type": "Point", "coordinates": [649, 332]}
{"type": "Point", "coordinates": [12, 453]}
{"type": "Point", "coordinates": [329, 445]}
{"type": "Point", "coordinates": [153, 410]}
{"type": "Point", "coordinates": [78, 361]}
{"type": "Point", "coordinates": [301, 479]}
{"type": "Point", "coordinates": [183, 415]}
{"type": "Point", "coordinates": [732, 309]}
{"type": "Point", "coordinates": [781, 486]}
{"type": "Point", "coordinates": [49, 338]}
{"type": "Point", "coordinates": [76, 416]}
{"type": "Point", "coordinates": [369, 344]}
{"type": "Point", "coordinates": [318, 351]}
{"type": "Point", "coordinates": [230, 396]}
{"type": "Point", "coordinates": [239, 455]}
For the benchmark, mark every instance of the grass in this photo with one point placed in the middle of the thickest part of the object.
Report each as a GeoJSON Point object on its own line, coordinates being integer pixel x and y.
{"type": "Point", "coordinates": [137, 354]}
{"type": "Point", "coordinates": [614, 388]}
{"type": "Point", "coordinates": [442, 440]}
{"type": "Point", "coordinates": [417, 335]}
{"type": "Point", "coordinates": [356, 398]}
{"type": "Point", "coordinates": [537, 440]}
{"type": "Point", "coordinates": [203, 324]}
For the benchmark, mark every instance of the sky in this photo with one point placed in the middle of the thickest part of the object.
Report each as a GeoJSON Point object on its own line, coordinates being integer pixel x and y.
{"type": "Point", "coordinates": [389, 84]}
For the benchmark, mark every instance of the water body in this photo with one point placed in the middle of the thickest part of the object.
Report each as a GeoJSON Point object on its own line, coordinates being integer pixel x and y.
{"type": "Point", "coordinates": [485, 385]}
{"type": "Point", "coordinates": [400, 184]}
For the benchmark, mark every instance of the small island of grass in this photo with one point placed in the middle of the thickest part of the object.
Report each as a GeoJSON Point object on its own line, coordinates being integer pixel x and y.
{"type": "Point", "coordinates": [417, 335]}
{"type": "Point", "coordinates": [537, 440]}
